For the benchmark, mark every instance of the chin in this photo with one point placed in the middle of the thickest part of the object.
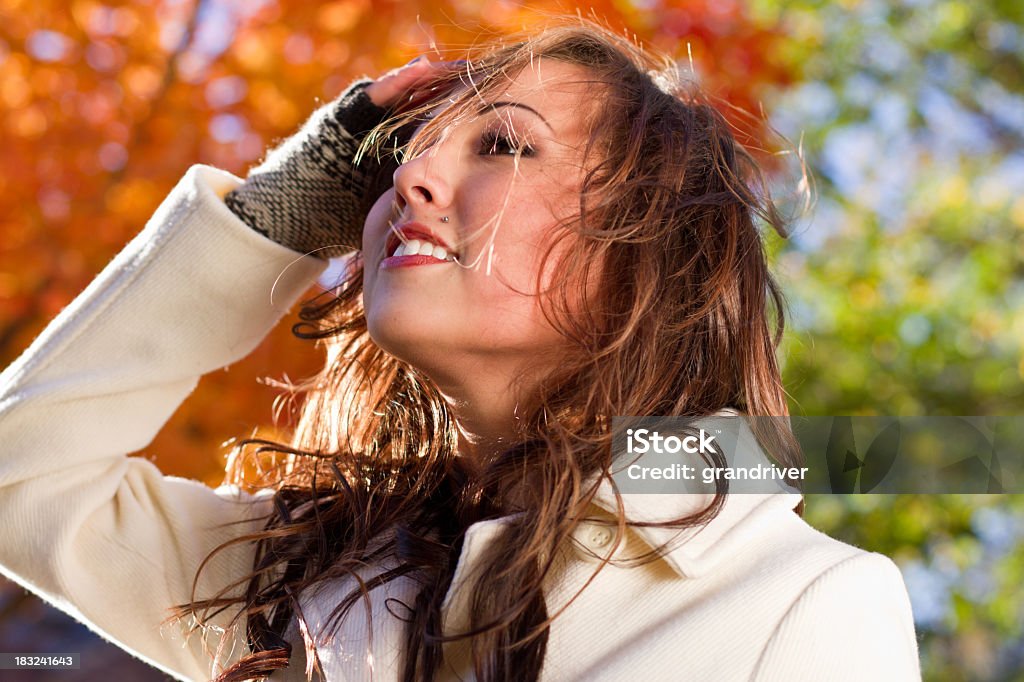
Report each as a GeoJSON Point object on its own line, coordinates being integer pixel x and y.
{"type": "Point", "coordinates": [409, 343]}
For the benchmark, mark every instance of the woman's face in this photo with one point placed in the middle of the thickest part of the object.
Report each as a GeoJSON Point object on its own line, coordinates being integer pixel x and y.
{"type": "Point", "coordinates": [496, 212]}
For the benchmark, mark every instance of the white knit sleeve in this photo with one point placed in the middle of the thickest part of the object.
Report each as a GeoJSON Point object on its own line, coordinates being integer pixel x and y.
{"type": "Point", "coordinates": [853, 623]}
{"type": "Point", "coordinates": [102, 536]}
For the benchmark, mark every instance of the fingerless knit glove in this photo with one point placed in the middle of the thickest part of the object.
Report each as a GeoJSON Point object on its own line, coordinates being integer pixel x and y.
{"type": "Point", "coordinates": [308, 195]}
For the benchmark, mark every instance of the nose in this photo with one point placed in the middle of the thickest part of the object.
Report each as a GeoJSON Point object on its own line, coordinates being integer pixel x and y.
{"type": "Point", "coordinates": [421, 184]}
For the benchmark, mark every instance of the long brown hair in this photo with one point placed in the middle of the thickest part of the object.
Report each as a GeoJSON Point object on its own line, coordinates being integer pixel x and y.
{"type": "Point", "coordinates": [682, 318]}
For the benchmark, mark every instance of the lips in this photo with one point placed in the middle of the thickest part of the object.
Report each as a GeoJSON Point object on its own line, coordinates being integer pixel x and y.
{"type": "Point", "coordinates": [410, 231]}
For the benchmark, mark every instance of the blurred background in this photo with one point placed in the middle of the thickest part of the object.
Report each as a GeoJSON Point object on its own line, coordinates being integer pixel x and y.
{"type": "Point", "coordinates": [905, 282]}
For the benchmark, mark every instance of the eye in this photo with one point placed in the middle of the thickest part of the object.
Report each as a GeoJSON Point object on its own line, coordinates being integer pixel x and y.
{"type": "Point", "coordinates": [494, 143]}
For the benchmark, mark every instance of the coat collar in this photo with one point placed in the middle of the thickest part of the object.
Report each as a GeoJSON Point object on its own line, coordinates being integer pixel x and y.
{"type": "Point", "coordinates": [693, 552]}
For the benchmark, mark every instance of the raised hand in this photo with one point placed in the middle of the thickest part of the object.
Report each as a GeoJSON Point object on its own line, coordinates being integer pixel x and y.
{"type": "Point", "coordinates": [308, 194]}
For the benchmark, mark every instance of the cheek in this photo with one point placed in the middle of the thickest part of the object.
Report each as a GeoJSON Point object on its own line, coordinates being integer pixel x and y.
{"type": "Point", "coordinates": [512, 292]}
{"type": "Point", "coordinates": [553, 266]}
{"type": "Point", "coordinates": [375, 226]}
{"type": "Point", "coordinates": [547, 239]}
{"type": "Point", "coordinates": [375, 231]}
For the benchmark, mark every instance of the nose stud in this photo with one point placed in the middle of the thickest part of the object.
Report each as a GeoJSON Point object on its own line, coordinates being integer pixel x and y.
{"type": "Point", "coordinates": [444, 219]}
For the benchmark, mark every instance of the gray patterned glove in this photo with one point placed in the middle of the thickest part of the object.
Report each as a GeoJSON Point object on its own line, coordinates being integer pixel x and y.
{"type": "Point", "coordinates": [308, 195]}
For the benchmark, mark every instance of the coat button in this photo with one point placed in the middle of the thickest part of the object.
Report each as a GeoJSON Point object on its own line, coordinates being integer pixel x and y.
{"type": "Point", "coordinates": [592, 540]}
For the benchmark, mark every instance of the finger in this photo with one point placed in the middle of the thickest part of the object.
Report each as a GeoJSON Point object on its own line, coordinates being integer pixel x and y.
{"type": "Point", "coordinates": [386, 90]}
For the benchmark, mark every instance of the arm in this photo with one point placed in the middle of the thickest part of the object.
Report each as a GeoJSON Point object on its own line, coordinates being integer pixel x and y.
{"type": "Point", "coordinates": [102, 536]}
{"type": "Point", "coordinates": [105, 537]}
{"type": "Point", "coordinates": [852, 623]}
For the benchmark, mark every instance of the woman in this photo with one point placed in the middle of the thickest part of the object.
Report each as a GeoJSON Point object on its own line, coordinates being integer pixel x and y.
{"type": "Point", "coordinates": [568, 238]}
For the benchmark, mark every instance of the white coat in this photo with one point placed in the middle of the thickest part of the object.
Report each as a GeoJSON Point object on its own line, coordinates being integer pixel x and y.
{"type": "Point", "coordinates": [757, 594]}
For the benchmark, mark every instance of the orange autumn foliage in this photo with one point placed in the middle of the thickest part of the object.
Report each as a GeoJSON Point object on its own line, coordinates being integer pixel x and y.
{"type": "Point", "coordinates": [104, 105]}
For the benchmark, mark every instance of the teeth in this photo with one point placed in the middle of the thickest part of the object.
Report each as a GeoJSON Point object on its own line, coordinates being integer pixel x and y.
{"type": "Point", "coordinates": [412, 247]}
{"type": "Point", "coordinates": [416, 247]}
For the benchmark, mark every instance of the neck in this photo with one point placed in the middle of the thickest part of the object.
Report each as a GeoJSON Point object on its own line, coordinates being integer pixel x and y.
{"type": "Point", "coordinates": [485, 404]}
{"type": "Point", "coordinates": [486, 418]}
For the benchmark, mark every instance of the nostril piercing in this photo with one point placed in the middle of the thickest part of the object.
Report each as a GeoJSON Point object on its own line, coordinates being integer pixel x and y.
{"type": "Point", "coordinates": [444, 219]}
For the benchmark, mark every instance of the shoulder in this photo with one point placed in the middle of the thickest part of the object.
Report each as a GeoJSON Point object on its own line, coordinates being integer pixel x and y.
{"type": "Point", "coordinates": [825, 573]}
{"type": "Point", "coordinates": [848, 614]}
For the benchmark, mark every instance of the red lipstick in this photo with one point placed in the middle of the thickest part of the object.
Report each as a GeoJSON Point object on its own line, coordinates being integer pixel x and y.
{"type": "Point", "coordinates": [408, 232]}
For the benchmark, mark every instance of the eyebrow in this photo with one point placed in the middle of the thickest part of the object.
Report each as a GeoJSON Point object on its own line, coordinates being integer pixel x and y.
{"type": "Point", "coordinates": [517, 105]}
